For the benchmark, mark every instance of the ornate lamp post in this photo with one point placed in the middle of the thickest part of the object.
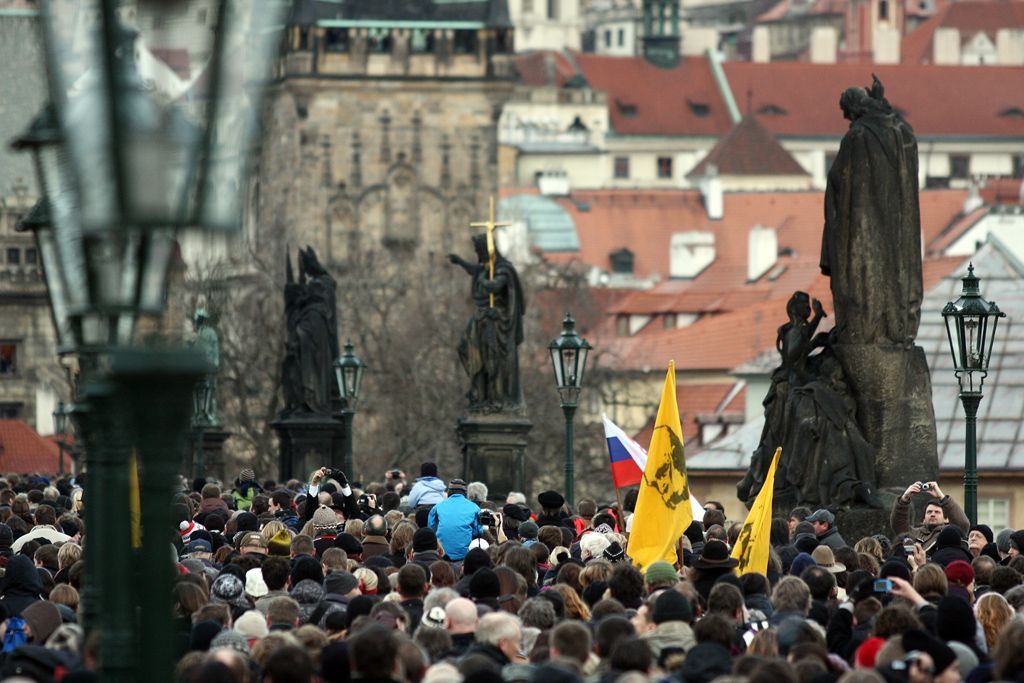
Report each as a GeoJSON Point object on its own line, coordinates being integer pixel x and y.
{"type": "Point", "coordinates": [123, 167]}
{"type": "Point", "coordinates": [348, 372]}
{"type": "Point", "coordinates": [60, 428]}
{"type": "Point", "coordinates": [569, 358]}
{"type": "Point", "coordinates": [971, 328]}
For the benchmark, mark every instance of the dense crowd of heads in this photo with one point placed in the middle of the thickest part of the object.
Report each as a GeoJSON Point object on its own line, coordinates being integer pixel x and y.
{"type": "Point", "coordinates": [434, 580]}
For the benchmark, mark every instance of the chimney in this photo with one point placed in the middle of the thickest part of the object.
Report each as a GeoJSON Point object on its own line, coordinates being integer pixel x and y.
{"type": "Point", "coordinates": [762, 251]}
{"type": "Point", "coordinates": [973, 200]}
{"type": "Point", "coordinates": [823, 45]}
{"type": "Point", "coordinates": [760, 45]}
{"type": "Point", "coordinates": [887, 45]}
{"type": "Point", "coordinates": [690, 253]}
{"type": "Point", "coordinates": [550, 70]}
{"type": "Point", "coordinates": [711, 192]}
{"type": "Point", "coordinates": [698, 39]}
{"type": "Point", "coordinates": [1010, 47]}
{"type": "Point", "coordinates": [553, 183]}
{"type": "Point", "coordinates": [946, 46]}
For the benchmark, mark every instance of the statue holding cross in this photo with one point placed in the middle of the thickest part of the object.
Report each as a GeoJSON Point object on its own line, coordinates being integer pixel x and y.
{"type": "Point", "coordinates": [489, 348]}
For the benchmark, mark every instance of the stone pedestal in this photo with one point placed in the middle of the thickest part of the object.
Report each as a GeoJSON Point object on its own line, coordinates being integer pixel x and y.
{"type": "Point", "coordinates": [493, 448]}
{"type": "Point", "coordinates": [893, 390]}
{"type": "Point", "coordinates": [306, 443]}
{"type": "Point", "coordinates": [857, 522]}
{"type": "Point", "coordinates": [208, 453]}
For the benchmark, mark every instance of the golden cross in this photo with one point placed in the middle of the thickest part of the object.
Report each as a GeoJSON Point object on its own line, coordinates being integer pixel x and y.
{"type": "Point", "coordinates": [490, 225]}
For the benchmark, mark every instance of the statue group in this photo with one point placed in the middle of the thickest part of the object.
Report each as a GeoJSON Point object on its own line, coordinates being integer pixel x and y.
{"type": "Point", "coordinates": [851, 407]}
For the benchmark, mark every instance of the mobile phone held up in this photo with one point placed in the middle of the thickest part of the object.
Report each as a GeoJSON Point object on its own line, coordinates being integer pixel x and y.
{"type": "Point", "coordinates": [883, 586]}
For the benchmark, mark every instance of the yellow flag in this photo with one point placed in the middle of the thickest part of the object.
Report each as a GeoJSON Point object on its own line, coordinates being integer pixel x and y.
{"type": "Point", "coordinates": [751, 547]}
{"type": "Point", "coordinates": [663, 507]}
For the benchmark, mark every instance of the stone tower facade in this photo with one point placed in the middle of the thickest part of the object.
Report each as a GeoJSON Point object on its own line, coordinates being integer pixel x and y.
{"type": "Point", "coordinates": [383, 129]}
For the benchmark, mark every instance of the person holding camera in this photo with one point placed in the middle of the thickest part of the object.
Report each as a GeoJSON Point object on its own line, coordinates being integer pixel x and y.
{"type": "Point", "coordinates": [349, 507]}
{"type": "Point", "coordinates": [455, 521]}
{"type": "Point", "coordinates": [938, 513]}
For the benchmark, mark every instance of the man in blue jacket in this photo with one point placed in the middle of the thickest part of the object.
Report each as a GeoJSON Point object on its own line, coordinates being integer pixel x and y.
{"type": "Point", "coordinates": [455, 521]}
{"type": "Point", "coordinates": [428, 489]}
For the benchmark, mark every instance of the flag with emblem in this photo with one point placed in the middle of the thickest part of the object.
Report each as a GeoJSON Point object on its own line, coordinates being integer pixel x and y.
{"type": "Point", "coordinates": [663, 507]}
{"type": "Point", "coordinates": [751, 549]}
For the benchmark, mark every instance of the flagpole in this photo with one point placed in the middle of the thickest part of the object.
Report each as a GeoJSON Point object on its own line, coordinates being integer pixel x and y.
{"type": "Point", "coordinates": [618, 498]}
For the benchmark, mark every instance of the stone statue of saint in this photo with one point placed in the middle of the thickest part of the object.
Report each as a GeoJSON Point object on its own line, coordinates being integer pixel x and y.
{"type": "Point", "coordinates": [871, 246]}
{"type": "Point", "coordinates": [489, 349]}
{"type": "Point", "coordinates": [809, 412]}
{"type": "Point", "coordinates": [312, 344]}
{"type": "Point", "coordinates": [204, 396]}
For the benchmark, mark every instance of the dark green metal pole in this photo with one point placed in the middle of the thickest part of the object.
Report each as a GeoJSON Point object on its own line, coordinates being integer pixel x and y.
{"type": "Point", "coordinates": [347, 414]}
{"type": "Point", "coordinates": [109, 566]}
{"type": "Point", "coordinates": [570, 466]}
{"type": "Point", "coordinates": [971, 402]}
{"type": "Point", "coordinates": [155, 387]}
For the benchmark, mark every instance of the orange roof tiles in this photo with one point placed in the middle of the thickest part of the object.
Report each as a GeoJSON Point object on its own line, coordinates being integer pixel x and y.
{"type": "Point", "coordinates": [694, 400]}
{"type": "Point", "coordinates": [749, 149]}
{"type": "Point", "coordinates": [646, 100]}
{"type": "Point", "coordinates": [644, 221]}
{"type": "Point", "coordinates": [936, 100]}
{"type": "Point", "coordinates": [23, 451]}
{"type": "Point", "coordinates": [799, 99]}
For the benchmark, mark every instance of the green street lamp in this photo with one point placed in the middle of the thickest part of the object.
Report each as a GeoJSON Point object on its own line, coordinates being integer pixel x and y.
{"type": "Point", "coordinates": [60, 428]}
{"type": "Point", "coordinates": [348, 372]}
{"type": "Point", "coordinates": [968, 321]}
{"type": "Point", "coordinates": [128, 154]}
{"type": "Point", "coordinates": [569, 359]}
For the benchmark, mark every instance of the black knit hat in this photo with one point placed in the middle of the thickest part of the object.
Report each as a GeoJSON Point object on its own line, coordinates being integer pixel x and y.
{"type": "Point", "coordinates": [985, 531]}
{"type": "Point", "coordinates": [484, 584]}
{"type": "Point", "coordinates": [476, 558]}
{"type": "Point", "coordinates": [424, 540]}
{"type": "Point", "coordinates": [671, 606]}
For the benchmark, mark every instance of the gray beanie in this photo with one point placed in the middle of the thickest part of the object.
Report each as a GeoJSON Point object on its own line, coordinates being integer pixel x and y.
{"type": "Point", "coordinates": [1003, 540]}
{"type": "Point", "coordinates": [230, 638]}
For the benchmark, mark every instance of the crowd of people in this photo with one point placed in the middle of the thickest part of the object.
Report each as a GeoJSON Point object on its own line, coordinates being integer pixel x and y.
{"type": "Point", "coordinates": [432, 580]}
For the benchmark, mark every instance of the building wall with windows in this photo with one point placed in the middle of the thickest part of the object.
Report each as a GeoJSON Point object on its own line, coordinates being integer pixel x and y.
{"type": "Point", "coordinates": [546, 24]}
{"type": "Point", "coordinates": [31, 379]}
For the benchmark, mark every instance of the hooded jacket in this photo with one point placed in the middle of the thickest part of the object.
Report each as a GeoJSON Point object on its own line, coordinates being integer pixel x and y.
{"type": "Point", "coordinates": [426, 491]}
{"type": "Point", "coordinates": [20, 586]}
{"type": "Point", "coordinates": [244, 493]}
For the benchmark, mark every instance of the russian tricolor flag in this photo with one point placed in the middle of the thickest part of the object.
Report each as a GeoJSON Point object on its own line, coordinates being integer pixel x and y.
{"type": "Point", "coordinates": [628, 458]}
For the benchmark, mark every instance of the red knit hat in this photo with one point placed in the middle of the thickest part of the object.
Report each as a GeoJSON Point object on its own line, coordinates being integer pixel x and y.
{"type": "Point", "coordinates": [868, 652]}
{"type": "Point", "coordinates": [959, 572]}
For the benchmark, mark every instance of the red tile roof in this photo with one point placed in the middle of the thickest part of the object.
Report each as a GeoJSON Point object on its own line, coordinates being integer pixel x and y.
{"type": "Point", "coordinates": [749, 149]}
{"type": "Point", "coordinates": [644, 221]}
{"type": "Point", "coordinates": [970, 18]}
{"type": "Point", "coordinates": [694, 400]}
{"type": "Point", "coordinates": [23, 451]}
{"type": "Point", "coordinates": [799, 99]}
{"type": "Point", "coordinates": [936, 100]}
{"type": "Point", "coordinates": [646, 100]}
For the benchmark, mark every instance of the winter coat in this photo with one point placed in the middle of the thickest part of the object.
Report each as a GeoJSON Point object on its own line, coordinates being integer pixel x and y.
{"type": "Point", "coordinates": [832, 539]}
{"type": "Point", "coordinates": [670, 634]}
{"type": "Point", "coordinates": [244, 493]}
{"type": "Point", "coordinates": [427, 491]}
{"type": "Point", "coordinates": [211, 504]}
{"type": "Point", "coordinates": [924, 534]}
{"type": "Point", "coordinates": [455, 522]}
{"type": "Point", "coordinates": [20, 586]}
